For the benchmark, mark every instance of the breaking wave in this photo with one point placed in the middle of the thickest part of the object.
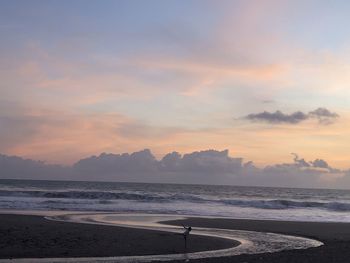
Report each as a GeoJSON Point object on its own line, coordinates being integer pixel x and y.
{"type": "Point", "coordinates": [105, 197]}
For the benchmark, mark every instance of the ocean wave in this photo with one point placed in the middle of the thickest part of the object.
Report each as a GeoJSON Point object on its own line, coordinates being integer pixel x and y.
{"type": "Point", "coordinates": [105, 197]}
{"type": "Point", "coordinates": [102, 195]}
{"type": "Point", "coordinates": [288, 204]}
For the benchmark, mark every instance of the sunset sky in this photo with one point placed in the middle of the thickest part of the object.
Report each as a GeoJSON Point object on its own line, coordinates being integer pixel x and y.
{"type": "Point", "coordinates": [262, 79]}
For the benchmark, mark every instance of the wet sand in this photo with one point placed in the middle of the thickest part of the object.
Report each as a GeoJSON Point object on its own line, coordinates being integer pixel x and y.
{"type": "Point", "coordinates": [335, 236]}
{"type": "Point", "coordinates": [23, 236]}
{"type": "Point", "coordinates": [33, 236]}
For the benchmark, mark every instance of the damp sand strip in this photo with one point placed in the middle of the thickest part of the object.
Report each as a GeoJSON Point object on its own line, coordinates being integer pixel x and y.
{"type": "Point", "coordinates": [250, 242]}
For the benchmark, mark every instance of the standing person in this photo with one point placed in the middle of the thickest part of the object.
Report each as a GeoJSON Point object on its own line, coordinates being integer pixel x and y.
{"type": "Point", "coordinates": [186, 233]}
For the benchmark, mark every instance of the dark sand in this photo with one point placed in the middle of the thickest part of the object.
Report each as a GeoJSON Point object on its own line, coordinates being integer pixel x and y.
{"type": "Point", "coordinates": [336, 237]}
{"type": "Point", "coordinates": [34, 236]}
{"type": "Point", "coordinates": [24, 236]}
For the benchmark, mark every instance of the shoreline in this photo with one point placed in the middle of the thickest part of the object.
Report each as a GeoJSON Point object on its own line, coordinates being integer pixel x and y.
{"type": "Point", "coordinates": [331, 230]}
{"type": "Point", "coordinates": [32, 236]}
{"type": "Point", "coordinates": [335, 236]}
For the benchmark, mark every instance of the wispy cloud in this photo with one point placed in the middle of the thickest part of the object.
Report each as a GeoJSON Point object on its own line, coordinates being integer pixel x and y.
{"type": "Point", "coordinates": [89, 86]}
{"type": "Point", "coordinates": [323, 115]}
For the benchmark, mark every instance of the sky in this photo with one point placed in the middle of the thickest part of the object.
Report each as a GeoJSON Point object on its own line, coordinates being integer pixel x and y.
{"type": "Point", "coordinates": [263, 79]}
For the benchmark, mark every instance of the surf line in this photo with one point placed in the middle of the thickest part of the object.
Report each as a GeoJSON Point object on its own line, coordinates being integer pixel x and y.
{"type": "Point", "coordinates": [250, 242]}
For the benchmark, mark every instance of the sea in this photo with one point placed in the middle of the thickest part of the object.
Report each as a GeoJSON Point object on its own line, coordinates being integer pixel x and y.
{"type": "Point", "coordinates": [321, 205]}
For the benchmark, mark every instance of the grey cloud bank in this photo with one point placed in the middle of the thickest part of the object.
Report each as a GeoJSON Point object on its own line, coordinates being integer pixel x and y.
{"type": "Point", "coordinates": [17, 167]}
{"type": "Point", "coordinates": [323, 115]}
{"type": "Point", "coordinates": [202, 167]}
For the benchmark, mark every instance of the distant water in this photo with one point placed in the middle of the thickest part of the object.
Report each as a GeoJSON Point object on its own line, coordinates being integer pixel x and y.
{"type": "Point", "coordinates": [202, 200]}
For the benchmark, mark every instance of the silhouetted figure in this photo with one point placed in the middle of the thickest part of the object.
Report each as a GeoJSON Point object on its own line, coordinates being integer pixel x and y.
{"type": "Point", "coordinates": [186, 233]}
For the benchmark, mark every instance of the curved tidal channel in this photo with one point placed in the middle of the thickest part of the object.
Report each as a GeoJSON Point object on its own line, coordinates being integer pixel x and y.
{"type": "Point", "coordinates": [251, 242]}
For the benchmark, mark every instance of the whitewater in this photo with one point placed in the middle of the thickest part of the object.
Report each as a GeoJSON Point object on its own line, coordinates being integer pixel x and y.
{"type": "Point", "coordinates": [322, 205]}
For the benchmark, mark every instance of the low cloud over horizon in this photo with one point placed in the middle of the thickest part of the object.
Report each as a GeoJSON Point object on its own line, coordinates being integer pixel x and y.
{"type": "Point", "coordinates": [322, 115]}
{"type": "Point", "coordinates": [200, 167]}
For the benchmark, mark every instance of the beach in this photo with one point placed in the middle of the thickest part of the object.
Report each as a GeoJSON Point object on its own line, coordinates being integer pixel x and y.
{"type": "Point", "coordinates": [27, 236]}
{"type": "Point", "coordinates": [34, 236]}
{"type": "Point", "coordinates": [335, 236]}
